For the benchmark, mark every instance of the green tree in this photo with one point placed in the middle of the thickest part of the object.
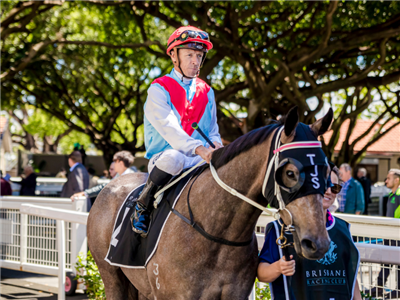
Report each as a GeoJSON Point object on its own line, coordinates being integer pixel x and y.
{"type": "Point", "coordinates": [385, 113]}
{"type": "Point", "coordinates": [90, 63]}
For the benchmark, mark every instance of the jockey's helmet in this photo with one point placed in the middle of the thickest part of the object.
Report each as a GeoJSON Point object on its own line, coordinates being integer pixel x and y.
{"type": "Point", "coordinates": [189, 37]}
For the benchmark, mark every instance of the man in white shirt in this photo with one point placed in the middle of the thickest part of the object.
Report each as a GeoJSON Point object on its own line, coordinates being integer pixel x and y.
{"type": "Point", "coordinates": [173, 103]}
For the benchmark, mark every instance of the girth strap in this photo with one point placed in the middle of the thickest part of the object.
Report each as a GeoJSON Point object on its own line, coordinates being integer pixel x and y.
{"type": "Point", "coordinates": [208, 236]}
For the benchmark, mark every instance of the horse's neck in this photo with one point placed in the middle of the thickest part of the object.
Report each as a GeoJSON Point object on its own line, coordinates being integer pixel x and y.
{"type": "Point", "coordinates": [229, 216]}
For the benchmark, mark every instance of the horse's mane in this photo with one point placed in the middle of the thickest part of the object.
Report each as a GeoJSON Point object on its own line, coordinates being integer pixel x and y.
{"type": "Point", "coordinates": [244, 143]}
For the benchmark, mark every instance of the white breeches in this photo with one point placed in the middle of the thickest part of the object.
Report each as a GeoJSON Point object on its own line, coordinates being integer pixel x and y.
{"type": "Point", "coordinates": [172, 161]}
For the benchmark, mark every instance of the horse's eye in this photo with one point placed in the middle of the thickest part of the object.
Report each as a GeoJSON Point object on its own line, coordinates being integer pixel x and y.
{"type": "Point", "coordinates": [290, 174]}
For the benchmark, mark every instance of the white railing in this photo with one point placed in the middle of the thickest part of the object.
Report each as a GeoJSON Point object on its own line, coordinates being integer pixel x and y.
{"type": "Point", "coordinates": [28, 242]}
{"type": "Point", "coordinates": [366, 229]}
{"type": "Point", "coordinates": [54, 180]}
{"type": "Point", "coordinates": [46, 185]}
{"type": "Point", "coordinates": [61, 216]}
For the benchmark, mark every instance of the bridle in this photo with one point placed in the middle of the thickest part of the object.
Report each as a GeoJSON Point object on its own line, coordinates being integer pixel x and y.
{"type": "Point", "coordinates": [273, 162]}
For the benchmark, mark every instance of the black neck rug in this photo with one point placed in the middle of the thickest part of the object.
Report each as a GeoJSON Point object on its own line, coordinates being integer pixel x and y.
{"type": "Point", "coordinates": [127, 249]}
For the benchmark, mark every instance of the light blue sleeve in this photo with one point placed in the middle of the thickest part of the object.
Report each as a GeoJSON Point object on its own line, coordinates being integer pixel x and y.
{"type": "Point", "coordinates": [161, 116]}
{"type": "Point", "coordinates": [214, 129]}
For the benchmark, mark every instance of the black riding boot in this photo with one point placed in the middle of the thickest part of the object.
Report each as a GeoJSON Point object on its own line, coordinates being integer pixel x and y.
{"type": "Point", "coordinates": [140, 219]}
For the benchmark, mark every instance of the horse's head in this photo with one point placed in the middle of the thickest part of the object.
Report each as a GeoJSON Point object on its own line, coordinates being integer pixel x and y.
{"type": "Point", "coordinates": [301, 170]}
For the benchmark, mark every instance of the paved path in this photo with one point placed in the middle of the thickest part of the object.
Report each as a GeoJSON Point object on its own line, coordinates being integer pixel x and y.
{"type": "Point", "coordinates": [30, 286]}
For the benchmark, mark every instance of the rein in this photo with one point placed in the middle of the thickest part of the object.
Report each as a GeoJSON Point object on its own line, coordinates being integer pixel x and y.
{"type": "Point", "coordinates": [208, 236]}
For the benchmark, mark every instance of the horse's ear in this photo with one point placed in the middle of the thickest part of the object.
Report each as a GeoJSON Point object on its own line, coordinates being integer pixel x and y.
{"type": "Point", "coordinates": [291, 121]}
{"type": "Point", "coordinates": [322, 125]}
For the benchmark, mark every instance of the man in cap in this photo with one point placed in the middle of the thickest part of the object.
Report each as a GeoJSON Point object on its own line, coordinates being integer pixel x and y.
{"type": "Point", "coordinates": [173, 103]}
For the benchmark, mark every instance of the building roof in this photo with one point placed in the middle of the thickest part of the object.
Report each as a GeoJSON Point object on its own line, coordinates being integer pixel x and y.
{"type": "Point", "coordinates": [387, 144]}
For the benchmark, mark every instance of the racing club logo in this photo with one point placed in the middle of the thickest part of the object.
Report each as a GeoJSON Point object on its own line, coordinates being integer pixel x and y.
{"type": "Point", "coordinates": [330, 257]}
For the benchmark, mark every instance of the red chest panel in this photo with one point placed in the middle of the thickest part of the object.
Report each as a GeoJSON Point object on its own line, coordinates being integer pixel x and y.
{"type": "Point", "coordinates": [189, 112]}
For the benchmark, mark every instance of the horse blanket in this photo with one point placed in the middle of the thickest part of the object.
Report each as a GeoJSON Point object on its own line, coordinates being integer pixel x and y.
{"type": "Point", "coordinates": [128, 249]}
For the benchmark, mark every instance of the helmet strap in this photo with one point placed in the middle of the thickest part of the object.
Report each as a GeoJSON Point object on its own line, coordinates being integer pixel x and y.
{"type": "Point", "coordinates": [202, 62]}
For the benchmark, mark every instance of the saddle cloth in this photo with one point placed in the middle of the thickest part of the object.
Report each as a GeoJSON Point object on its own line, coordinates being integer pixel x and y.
{"type": "Point", "coordinates": [127, 248]}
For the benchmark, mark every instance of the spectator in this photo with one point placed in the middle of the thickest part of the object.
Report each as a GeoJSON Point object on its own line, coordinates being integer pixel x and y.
{"type": "Point", "coordinates": [112, 171]}
{"type": "Point", "coordinates": [62, 173]}
{"type": "Point", "coordinates": [28, 184]}
{"type": "Point", "coordinates": [106, 174]}
{"type": "Point", "coordinates": [121, 162]}
{"type": "Point", "coordinates": [393, 210]}
{"type": "Point", "coordinates": [351, 198]}
{"type": "Point", "coordinates": [366, 185]}
{"type": "Point", "coordinates": [393, 182]}
{"type": "Point", "coordinates": [5, 188]}
{"type": "Point", "coordinates": [92, 177]}
{"type": "Point", "coordinates": [78, 179]}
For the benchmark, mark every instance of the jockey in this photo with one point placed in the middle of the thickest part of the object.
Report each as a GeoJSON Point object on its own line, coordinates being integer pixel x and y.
{"type": "Point", "coordinates": [173, 103]}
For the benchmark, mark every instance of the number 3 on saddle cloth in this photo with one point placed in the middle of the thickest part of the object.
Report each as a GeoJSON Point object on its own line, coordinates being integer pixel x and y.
{"type": "Point", "coordinates": [127, 248]}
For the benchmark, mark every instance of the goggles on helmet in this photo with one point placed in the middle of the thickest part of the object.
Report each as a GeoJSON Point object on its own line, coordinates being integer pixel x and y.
{"type": "Point", "coordinates": [191, 34]}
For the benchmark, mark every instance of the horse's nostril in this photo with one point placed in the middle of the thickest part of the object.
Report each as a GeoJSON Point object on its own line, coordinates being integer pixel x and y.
{"type": "Point", "coordinates": [309, 245]}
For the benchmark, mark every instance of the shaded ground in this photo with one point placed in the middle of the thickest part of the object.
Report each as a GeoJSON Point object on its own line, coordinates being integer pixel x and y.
{"type": "Point", "coordinates": [30, 286]}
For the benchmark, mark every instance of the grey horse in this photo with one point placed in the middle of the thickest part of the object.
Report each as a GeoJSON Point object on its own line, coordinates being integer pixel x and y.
{"type": "Point", "coordinates": [188, 266]}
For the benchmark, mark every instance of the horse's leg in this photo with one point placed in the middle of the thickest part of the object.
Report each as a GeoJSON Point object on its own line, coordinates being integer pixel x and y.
{"type": "Point", "coordinates": [139, 277]}
{"type": "Point", "coordinates": [99, 229]}
{"type": "Point", "coordinates": [116, 285]}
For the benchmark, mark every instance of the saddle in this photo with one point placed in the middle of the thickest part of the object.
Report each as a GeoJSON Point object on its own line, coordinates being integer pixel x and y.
{"type": "Point", "coordinates": [127, 248]}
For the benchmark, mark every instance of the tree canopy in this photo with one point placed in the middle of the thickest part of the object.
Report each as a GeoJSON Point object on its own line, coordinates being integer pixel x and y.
{"type": "Point", "coordinates": [90, 63]}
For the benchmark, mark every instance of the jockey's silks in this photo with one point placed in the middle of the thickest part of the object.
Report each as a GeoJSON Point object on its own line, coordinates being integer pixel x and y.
{"type": "Point", "coordinates": [332, 277]}
{"type": "Point", "coordinates": [189, 111]}
{"type": "Point", "coordinates": [180, 106]}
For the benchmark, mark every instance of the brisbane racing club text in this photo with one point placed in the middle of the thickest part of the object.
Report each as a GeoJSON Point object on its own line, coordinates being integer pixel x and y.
{"type": "Point", "coordinates": [326, 277]}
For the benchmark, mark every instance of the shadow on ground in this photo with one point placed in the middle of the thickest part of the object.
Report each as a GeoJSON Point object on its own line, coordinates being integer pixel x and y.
{"type": "Point", "coordinates": [30, 286]}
